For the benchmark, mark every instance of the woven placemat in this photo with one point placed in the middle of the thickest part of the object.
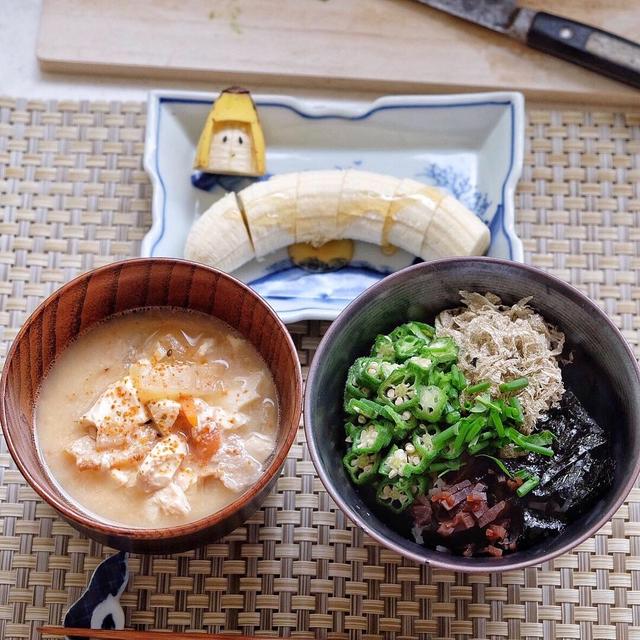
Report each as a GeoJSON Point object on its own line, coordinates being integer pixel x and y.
{"type": "Point", "coordinates": [73, 195]}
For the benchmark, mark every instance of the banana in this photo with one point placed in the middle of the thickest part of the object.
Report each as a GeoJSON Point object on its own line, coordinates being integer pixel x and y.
{"type": "Point", "coordinates": [270, 208]}
{"type": "Point", "coordinates": [319, 206]}
{"type": "Point", "coordinates": [219, 237]}
{"type": "Point", "coordinates": [412, 210]}
{"type": "Point", "coordinates": [318, 200]}
{"type": "Point", "coordinates": [365, 201]}
{"type": "Point", "coordinates": [454, 232]}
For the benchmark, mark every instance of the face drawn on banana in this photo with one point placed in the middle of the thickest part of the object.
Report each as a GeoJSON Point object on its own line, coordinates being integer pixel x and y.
{"type": "Point", "coordinates": [232, 141]}
{"type": "Point", "coordinates": [231, 150]}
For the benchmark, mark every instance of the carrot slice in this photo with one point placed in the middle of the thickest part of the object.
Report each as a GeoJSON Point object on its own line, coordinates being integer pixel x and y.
{"type": "Point", "coordinates": [188, 407]}
{"type": "Point", "coordinates": [207, 444]}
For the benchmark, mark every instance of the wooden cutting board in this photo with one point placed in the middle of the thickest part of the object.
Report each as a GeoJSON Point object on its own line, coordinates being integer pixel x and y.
{"type": "Point", "coordinates": [377, 45]}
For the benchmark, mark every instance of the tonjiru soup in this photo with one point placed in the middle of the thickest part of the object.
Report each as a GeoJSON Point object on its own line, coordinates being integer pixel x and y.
{"type": "Point", "coordinates": [157, 417]}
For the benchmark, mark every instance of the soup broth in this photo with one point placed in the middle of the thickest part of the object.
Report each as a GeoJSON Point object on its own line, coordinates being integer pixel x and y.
{"type": "Point", "coordinates": [157, 417]}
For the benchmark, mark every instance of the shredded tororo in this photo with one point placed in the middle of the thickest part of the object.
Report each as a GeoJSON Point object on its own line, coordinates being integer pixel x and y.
{"type": "Point", "coordinates": [500, 343]}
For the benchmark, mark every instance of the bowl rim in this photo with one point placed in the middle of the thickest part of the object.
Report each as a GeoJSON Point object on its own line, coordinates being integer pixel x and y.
{"type": "Point", "coordinates": [82, 516]}
{"type": "Point", "coordinates": [433, 557]}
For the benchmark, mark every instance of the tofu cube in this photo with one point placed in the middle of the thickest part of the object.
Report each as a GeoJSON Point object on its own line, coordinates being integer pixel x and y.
{"type": "Point", "coordinates": [115, 414]}
{"type": "Point", "coordinates": [162, 462]}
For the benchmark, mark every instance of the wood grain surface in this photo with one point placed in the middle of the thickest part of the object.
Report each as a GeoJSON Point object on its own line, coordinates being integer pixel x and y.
{"type": "Point", "coordinates": [377, 45]}
{"type": "Point", "coordinates": [119, 287]}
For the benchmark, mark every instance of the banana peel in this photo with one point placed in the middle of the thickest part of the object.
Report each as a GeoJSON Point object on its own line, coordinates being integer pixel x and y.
{"type": "Point", "coordinates": [232, 141]}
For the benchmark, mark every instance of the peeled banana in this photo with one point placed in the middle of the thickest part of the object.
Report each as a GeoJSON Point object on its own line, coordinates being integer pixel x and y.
{"type": "Point", "coordinates": [270, 210]}
{"type": "Point", "coordinates": [318, 206]}
{"type": "Point", "coordinates": [365, 201]}
{"type": "Point", "coordinates": [219, 237]}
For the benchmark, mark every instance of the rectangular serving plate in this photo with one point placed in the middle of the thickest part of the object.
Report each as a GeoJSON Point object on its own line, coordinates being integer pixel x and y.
{"type": "Point", "coordinates": [470, 145]}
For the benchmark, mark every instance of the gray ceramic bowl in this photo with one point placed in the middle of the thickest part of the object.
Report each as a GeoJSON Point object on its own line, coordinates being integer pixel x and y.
{"type": "Point", "coordinates": [605, 376]}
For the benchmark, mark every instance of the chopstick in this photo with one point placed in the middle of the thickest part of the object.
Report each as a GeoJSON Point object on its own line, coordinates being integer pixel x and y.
{"type": "Point", "coordinates": [131, 634]}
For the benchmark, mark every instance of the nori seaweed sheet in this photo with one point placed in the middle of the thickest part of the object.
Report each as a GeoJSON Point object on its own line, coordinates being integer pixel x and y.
{"type": "Point", "coordinates": [579, 473]}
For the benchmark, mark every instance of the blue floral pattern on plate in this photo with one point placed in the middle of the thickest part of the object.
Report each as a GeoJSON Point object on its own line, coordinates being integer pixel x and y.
{"type": "Point", "coordinates": [470, 145]}
{"type": "Point", "coordinates": [459, 185]}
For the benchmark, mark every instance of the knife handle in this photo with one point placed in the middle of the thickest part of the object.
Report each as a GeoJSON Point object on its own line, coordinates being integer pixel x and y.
{"type": "Point", "coordinates": [593, 48]}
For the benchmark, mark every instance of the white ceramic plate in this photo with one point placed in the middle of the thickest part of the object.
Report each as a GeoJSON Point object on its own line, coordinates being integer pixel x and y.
{"type": "Point", "coordinates": [469, 144]}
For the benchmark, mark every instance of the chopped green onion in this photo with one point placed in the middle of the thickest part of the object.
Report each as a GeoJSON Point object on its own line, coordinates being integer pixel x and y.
{"type": "Point", "coordinates": [457, 378]}
{"type": "Point", "coordinates": [516, 410]}
{"type": "Point", "coordinates": [483, 385]}
{"type": "Point", "coordinates": [510, 411]}
{"type": "Point", "coordinates": [485, 400]}
{"type": "Point", "coordinates": [496, 421]}
{"type": "Point", "coordinates": [525, 443]}
{"type": "Point", "coordinates": [460, 439]}
{"type": "Point", "coordinates": [542, 438]}
{"type": "Point", "coordinates": [452, 417]}
{"type": "Point", "coordinates": [475, 428]}
{"type": "Point", "coordinates": [501, 465]}
{"type": "Point", "coordinates": [478, 407]}
{"type": "Point", "coordinates": [514, 385]}
{"type": "Point", "coordinates": [475, 449]}
{"type": "Point", "coordinates": [441, 438]}
{"type": "Point", "coordinates": [445, 467]}
{"type": "Point", "coordinates": [528, 486]}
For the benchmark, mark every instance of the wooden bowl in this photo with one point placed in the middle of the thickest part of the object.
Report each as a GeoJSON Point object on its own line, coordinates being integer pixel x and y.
{"type": "Point", "coordinates": [130, 284]}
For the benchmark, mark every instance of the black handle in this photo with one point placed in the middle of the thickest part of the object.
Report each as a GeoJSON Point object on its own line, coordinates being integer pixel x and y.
{"type": "Point", "coordinates": [595, 49]}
